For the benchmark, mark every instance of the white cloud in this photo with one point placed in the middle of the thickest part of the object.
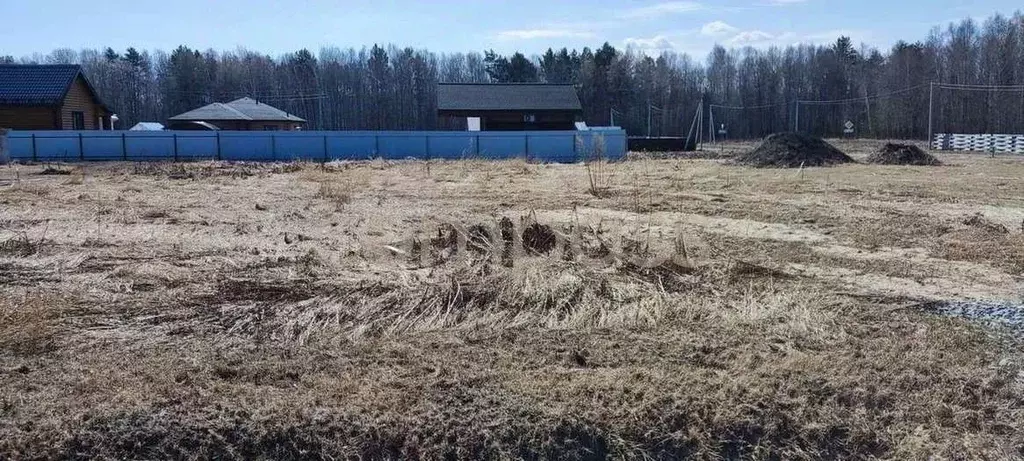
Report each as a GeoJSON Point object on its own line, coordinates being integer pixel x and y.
{"type": "Point", "coordinates": [657, 43]}
{"type": "Point", "coordinates": [664, 8]}
{"type": "Point", "coordinates": [750, 38]}
{"type": "Point", "coordinates": [530, 34]}
{"type": "Point", "coordinates": [785, 2]}
{"type": "Point", "coordinates": [717, 29]}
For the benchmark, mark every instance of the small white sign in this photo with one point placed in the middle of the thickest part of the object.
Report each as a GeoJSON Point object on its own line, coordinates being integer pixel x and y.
{"type": "Point", "coordinates": [848, 127]}
{"type": "Point", "coordinates": [721, 129]}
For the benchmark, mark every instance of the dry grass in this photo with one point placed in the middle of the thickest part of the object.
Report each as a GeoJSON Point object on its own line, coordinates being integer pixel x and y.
{"type": "Point", "coordinates": [691, 308]}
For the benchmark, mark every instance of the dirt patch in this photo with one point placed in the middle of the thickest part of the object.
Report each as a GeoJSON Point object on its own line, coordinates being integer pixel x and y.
{"type": "Point", "coordinates": [793, 150]}
{"type": "Point", "coordinates": [902, 154]}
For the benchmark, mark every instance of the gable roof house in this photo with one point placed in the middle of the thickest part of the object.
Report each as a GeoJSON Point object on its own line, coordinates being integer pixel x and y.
{"type": "Point", "coordinates": [511, 106]}
{"type": "Point", "coordinates": [50, 97]}
{"type": "Point", "coordinates": [243, 114]}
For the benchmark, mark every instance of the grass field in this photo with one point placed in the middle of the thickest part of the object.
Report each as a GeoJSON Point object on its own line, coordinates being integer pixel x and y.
{"type": "Point", "coordinates": [685, 308]}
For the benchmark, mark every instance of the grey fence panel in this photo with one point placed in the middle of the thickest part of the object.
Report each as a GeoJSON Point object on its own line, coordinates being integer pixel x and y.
{"type": "Point", "coordinates": [545, 146]}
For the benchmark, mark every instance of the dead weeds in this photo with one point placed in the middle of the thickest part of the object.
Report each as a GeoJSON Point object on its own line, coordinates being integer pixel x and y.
{"type": "Point", "coordinates": [666, 322]}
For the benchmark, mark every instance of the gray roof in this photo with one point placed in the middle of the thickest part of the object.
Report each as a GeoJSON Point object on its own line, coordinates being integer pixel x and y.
{"type": "Point", "coordinates": [147, 126]}
{"type": "Point", "coordinates": [39, 85]}
{"type": "Point", "coordinates": [240, 109]}
{"type": "Point", "coordinates": [506, 96]}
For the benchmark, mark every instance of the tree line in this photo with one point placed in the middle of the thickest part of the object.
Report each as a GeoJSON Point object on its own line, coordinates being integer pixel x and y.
{"type": "Point", "coordinates": [751, 91]}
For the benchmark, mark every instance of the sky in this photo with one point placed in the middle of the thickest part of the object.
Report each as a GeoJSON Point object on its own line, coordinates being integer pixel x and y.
{"type": "Point", "coordinates": [530, 26]}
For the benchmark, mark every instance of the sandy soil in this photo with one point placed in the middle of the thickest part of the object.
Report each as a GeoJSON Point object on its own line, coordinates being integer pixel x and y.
{"type": "Point", "coordinates": [687, 308]}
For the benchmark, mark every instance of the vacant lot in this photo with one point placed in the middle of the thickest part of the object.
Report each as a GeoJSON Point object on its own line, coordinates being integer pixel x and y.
{"type": "Point", "coordinates": [649, 308]}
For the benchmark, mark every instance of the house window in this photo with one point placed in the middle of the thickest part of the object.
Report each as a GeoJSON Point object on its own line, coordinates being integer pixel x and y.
{"type": "Point", "coordinates": [529, 118]}
{"type": "Point", "coordinates": [78, 120]}
{"type": "Point", "coordinates": [270, 127]}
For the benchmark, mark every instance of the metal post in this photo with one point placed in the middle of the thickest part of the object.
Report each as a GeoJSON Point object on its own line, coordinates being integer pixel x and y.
{"type": "Point", "coordinates": [35, 153]}
{"type": "Point", "coordinates": [273, 147]}
{"type": "Point", "coordinates": [527, 137]}
{"type": "Point", "coordinates": [124, 148]}
{"type": "Point", "coordinates": [426, 146]}
{"type": "Point", "coordinates": [648, 119]}
{"type": "Point", "coordinates": [611, 116]}
{"type": "Point", "coordinates": [219, 154]}
{"type": "Point", "coordinates": [326, 156]}
{"type": "Point", "coordinates": [931, 95]}
{"type": "Point", "coordinates": [175, 140]}
{"type": "Point", "coordinates": [477, 147]}
{"type": "Point", "coordinates": [81, 147]}
{"type": "Point", "coordinates": [376, 145]}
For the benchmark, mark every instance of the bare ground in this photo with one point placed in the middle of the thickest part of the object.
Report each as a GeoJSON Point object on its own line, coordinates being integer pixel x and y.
{"type": "Point", "coordinates": [301, 311]}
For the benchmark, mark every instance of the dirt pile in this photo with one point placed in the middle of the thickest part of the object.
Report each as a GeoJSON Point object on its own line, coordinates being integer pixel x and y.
{"type": "Point", "coordinates": [792, 150]}
{"type": "Point", "coordinates": [902, 154]}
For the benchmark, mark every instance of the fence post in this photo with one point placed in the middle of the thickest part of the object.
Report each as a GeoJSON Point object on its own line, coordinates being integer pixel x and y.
{"type": "Point", "coordinates": [81, 148]}
{"type": "Point", "coordinates": [376, 145]}
{"type": "Point", "coordinates": [326, 157]}
{"type": "Point", "coordinates": [124, 148]}
{"type": "Point", "coordinates": [527, 136]}
{"type": "Point", "coordinates": [4, 158]}
{"type": "Point", "coordinates": [477, 146]}
{"type": "Point", "coordinates": [426, 146]}
{"type": "Point", "coordinates": [35, 153]}
{"type": "Point", "coordinates": [219, 155]}
{"type": "Point", "coordinates": [273, 147]}
{"type": "Point", "coordinates": [175, 140]}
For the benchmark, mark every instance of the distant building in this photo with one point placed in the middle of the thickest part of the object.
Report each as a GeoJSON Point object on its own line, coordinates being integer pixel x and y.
{"type": "Point", "coordinates": [50, 97]}
{"type": "Point", "coordinates": [245, 114]}
{"type": "Point", "coordinates": [510, 106]}
{"type": "Point", "coordinates": [147, 126]}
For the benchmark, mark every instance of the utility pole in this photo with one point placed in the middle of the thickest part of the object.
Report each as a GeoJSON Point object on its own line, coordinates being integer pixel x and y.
{"type": "Point", "coordinates": [931, 95]}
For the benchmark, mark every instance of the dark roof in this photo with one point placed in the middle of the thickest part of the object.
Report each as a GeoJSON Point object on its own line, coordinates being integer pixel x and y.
{"type": "Point", "coordinates": [39, 85]}
{"type": "Point", "coordinates": [247, 109]}
{"type": "Point", "coordinates": [506, 96]}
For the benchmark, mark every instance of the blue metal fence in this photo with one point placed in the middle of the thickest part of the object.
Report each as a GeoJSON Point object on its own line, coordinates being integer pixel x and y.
{"type": "Point", "coordinates": [544, 146]}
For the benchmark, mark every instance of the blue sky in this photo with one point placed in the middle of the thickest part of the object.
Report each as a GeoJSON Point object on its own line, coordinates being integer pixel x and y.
{"type": "Point", "coordinates": [276, 27]}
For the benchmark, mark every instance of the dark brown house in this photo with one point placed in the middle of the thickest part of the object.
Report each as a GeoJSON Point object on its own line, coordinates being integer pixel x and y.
{"type": "Point", "coordinates": [50, 97]}
{"type": "Point", "coordinates": [510, 106]}
{"type": "Point", "coordinates": [245, 114]}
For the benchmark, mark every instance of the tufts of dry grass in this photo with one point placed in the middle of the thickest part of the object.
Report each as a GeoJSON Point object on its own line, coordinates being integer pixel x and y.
{"type": "Point", "coordinates": [29, 326]}
{"type": "Point", "coordinates": [701, 311]}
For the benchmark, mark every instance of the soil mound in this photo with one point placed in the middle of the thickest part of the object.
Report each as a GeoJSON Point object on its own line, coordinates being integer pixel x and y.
{"type": "Point", "coordinates": [792, 150]}
{"type": "Point", "coordinates": [902, 154]}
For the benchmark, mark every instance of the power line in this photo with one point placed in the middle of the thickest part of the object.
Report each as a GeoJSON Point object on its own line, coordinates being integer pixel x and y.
{"type": "Point", "coordinates": [862, 98]}
{"type": "Point", "coordinates": [823, 101]}
{"type": "Point", "coordinates": [765, 106]}
{"type": "Point", "coordinates": [998, 88]}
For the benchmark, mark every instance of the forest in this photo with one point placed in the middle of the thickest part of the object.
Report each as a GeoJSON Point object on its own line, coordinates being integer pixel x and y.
{"type": "Point", "coordinates": [752, 91]}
